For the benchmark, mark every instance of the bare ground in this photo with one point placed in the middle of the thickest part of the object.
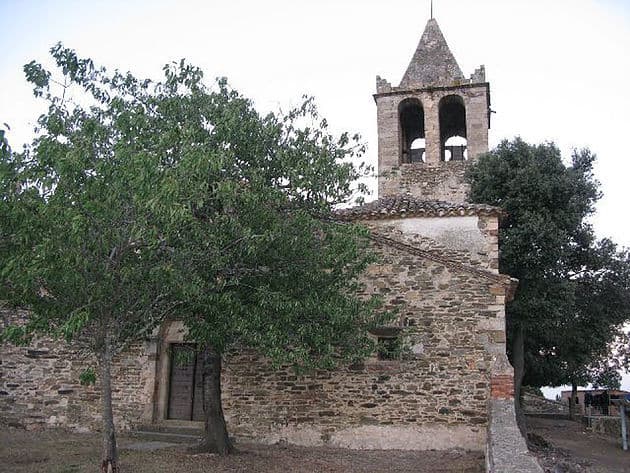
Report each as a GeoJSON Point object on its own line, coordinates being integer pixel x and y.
{"type": "Point", "coordinates": [564, 446]}
{"type": "Point", "coordinates": [62, 452]}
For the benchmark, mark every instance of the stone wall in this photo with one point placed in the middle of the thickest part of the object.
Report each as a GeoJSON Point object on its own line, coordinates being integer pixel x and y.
{"type": "Point", "coordinates": [534, 404]}
{"type": "Point", "coordinates": [605, 425]}
{"type": "Point", "coordinates": [435, 398]}
{"type": "Point", "coordinates": [39, 385]}
{"type": "Point", "coordinates": [467, 240]}
{"type": "Point", "coordinates": [434, 179]}
{"type": "Point", "coordinates": [439, 181]}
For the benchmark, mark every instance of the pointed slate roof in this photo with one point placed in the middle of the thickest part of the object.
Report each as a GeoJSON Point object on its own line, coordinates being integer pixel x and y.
{"type": "Point", "coordinates": [433, 63]}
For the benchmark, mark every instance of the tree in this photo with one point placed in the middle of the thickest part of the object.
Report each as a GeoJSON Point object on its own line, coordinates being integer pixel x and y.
{"type": "Point", "coordinates": [573, 290]}
{"type": "Point", "coordinates": [264, 264]}
{"type": "Point", "coordinates": [588, 343]}
{"type": "Point", "coordinates": [82, 245]}
{"type": "Point", "coordinates": [139, 197]}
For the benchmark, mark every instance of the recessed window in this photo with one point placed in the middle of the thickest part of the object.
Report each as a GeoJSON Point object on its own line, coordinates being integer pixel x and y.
{"type": "Point", "coordinates": [388, 348]}
{"type": "Point", "coordinates": [412, 139]}
{"type": "Point", "coordinates": [389, 343]}
{"type": "Point", "coordinates": [453, 137]}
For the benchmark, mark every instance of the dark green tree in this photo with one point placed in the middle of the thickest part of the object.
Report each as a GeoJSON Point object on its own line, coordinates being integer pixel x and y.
{"type": "Point", "coordinates": [573, 290]}
{"type": "Point", "coordinates": [139, 198]}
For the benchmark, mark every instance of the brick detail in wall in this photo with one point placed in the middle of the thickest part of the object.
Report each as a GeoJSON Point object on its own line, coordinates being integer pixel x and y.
{"type": "Point", "coordinates": [502, 387]}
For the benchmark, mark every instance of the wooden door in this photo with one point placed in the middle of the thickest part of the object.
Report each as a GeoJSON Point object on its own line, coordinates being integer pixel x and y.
{"type": "Point", "coordinates": [185, 400]}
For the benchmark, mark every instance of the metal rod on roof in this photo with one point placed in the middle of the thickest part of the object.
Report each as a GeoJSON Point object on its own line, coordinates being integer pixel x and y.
{"type": "Point", "coordinates": [431, 9]}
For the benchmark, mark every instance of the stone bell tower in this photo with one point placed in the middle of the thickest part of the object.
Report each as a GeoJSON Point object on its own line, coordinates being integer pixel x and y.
{"type": "Point", "coordinates": [432, 125]}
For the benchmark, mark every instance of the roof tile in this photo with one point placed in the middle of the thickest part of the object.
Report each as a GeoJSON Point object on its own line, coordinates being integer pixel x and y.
{"type": "Point", "coordinates": [406, 205]}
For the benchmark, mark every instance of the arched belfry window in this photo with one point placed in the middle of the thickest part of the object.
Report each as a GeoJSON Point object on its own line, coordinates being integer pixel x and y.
{"type": "Point", "coordinates": [453, 140]}
{"type": "Point", "coordinates": [412, 142]}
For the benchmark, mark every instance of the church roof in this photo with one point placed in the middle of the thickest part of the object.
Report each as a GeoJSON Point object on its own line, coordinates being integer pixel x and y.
{"type": "Point", "coordinates": [406, 205]}
{"type": "Point", "coordinates": [433, 63]}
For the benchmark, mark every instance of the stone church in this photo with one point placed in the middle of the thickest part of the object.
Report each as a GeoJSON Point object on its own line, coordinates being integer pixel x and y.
{"type": "Point", "coordinates": [438, 266]}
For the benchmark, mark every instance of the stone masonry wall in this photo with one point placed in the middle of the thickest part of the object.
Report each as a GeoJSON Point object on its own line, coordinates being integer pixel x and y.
{"type": "Point", "coordinates": [534, 404]}
{"type": "Point", "coordinates": [435, 179]}
{"type": "Point", "coordinates": [39, 385]}
{"type": "Point", "coordinates": [435, 399]}
{"type": "Point", "coordinates": [440, 181]}
{"type": "Point", "coordinates": [468, 240]}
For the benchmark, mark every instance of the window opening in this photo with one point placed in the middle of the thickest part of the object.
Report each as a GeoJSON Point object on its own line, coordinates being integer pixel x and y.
{"type": "Point", "coordinates": [412, 139]}
{"type": "Point", "coordinates": [388, 348]}
{"type": "Point", "coordinates": [456, 149]}
{"type": "Point", "coordinates": [417, 151]}
{"type": "Point", "coordinates": [453, 139]}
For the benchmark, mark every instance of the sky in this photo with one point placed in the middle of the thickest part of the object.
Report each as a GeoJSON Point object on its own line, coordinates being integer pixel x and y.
{"type": "Point", "coordinates": [558, 70]}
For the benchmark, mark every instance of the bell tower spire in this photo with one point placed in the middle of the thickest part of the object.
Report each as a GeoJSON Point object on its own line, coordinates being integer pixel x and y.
{"type": "Point", "coordinates": [433, 124]}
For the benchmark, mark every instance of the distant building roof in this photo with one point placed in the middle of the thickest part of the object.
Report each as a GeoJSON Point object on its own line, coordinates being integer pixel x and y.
{"type": "Point", "coordinates": [596, 391]}
{"type": "Point", "coordinates": [406, 205]}
{"type": "Point", "coordinates": [433, 63]}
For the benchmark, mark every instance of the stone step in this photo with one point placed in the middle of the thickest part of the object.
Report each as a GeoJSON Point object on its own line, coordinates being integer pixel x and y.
{"type": "Point", "coordinates": [173, 427]}
{"type": "Point", "coordinates": [170, 431]}
{"type": "Point", "coordinates": [166, 437]}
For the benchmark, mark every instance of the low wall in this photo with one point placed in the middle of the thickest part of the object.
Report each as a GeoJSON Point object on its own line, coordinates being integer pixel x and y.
{"type": "Point", "coordinates": [537, 405]}
{"type": "Point", "coordinates": [506, 449]}
{"type": "Point", "coordinates": [605, 425]}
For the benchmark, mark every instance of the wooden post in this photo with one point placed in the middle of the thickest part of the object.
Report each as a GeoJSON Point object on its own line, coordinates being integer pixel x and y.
{"type": "Point", "coordinates": [624, 432]}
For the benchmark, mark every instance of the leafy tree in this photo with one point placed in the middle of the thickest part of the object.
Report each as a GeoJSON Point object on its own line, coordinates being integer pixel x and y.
{"type": "Point", "coordinates": [573, 291]}
{"type": "Point", "coordinates": [264, 265]}
{"type": "Point", "coordinates": [139, 197]}
{"type": "Point", "coordinates": [587, 343]}
{"type": "Point", "coordinates": [82, 241]}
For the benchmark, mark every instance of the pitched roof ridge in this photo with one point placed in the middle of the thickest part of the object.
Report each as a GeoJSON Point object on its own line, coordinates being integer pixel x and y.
{"type": "Point", "coordinates": [408, 205]}
{"type": "Point", "coordinates": [432, 256]}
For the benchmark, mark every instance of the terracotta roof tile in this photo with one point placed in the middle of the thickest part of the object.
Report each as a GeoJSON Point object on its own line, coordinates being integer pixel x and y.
{"type": "Point", "coordinates": [405, 206]}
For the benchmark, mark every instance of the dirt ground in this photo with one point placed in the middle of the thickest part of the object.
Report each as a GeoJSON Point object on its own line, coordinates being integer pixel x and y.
{"type": "Point", "coordinates": [562, 447]}
{"type": "Point", "coordinates": [60, 452]}
{"type": "Point", "coordinates": [573, 449]}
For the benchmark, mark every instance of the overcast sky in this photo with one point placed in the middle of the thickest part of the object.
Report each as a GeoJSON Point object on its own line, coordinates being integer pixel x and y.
{"type": "Point", "coordinates": [558, 70]}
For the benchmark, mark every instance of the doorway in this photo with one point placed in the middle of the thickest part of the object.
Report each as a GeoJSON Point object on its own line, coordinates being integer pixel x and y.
{"type": "Point", "coordinates": [185, 397]}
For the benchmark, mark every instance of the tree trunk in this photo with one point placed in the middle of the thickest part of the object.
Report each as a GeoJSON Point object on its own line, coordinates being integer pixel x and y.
{"type": "Point", "coordinates": [518, 361]}
{"type": "Point", "coordinates": [573, 401]}
{"type": "Point", "coordinates": [109, 458]}
{"type": "Point", "coordinates": [216, 439]}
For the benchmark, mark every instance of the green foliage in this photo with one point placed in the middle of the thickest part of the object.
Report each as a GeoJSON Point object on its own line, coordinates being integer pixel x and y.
{"type": "Point", "coordinates": [573, 292]}
{"type": "Point", "coordinates": [391, 348]}
{"type": "Point", "coordinates": [140, 200]}
{"type": "Point", "coordinates": [607, 378]}
{"type": "Point", "coordinates": [184, 356]}
{"type": "Point", "coordinates": [87, 376]}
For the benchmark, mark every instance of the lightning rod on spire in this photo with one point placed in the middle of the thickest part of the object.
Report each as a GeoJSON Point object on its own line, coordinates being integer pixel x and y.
{"type": "Point", "coordinates": [431, 9]}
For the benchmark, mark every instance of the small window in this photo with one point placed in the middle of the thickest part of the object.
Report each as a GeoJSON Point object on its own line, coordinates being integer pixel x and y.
{"type": "Point", "coordinates": [388, 348]}
{"type": "Point", "coordinates": [388, 342]}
